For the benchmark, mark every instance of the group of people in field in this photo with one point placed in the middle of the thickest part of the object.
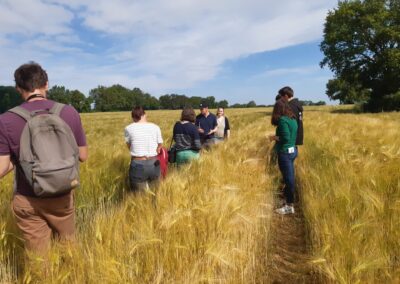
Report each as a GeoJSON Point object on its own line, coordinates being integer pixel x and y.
{"type": "Point", "coordinates": [44, 142]}
{"type": "Point", "coordinates": [191, 134]}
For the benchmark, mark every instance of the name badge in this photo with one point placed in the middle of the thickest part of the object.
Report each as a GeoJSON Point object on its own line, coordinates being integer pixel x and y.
{"type": "Point", "coordinates": [290, 150]}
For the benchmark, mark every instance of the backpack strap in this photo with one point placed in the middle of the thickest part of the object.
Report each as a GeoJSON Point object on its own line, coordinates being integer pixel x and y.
{"type": "Point", "coordinates": [56, 108]}
{"type": "Point", "coordinates": [20, 111]}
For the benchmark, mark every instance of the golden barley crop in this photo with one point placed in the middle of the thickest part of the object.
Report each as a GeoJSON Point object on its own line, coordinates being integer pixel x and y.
{"type": "Point", "coordinates": [349, 174]}
{"type": "Point", "coordinates": [209, 222]}
{"type": "Point", "coordinates": [205, 223]}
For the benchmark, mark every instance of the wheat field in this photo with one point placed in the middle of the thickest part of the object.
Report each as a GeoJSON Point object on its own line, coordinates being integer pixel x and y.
{"type": "Point", "coordinates": [210, 221]}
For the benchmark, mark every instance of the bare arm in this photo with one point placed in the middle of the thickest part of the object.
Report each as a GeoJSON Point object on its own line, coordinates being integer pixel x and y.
{"type": "Point", "coordinates": [83, 153]}
{"type": "Point", "coordinates": [6, 165]}
{"type": "Point", "coordinates": [159, 148]}
{"type": "Point", "coordinates": [214, 130]}
{"type": "Point", "coordinates": [228, 133]}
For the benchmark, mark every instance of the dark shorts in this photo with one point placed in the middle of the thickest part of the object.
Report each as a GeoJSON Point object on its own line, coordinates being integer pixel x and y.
{"type": "Point", "coordinates": [144, 173]}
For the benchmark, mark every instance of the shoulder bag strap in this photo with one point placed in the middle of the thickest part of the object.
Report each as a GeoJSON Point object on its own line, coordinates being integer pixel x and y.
{"type": "Point", "coordinates": [20, 111]}
{"type": "Point", "coordinates": [56, 108]}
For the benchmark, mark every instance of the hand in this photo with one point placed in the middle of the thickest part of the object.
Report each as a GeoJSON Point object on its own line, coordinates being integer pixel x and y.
{"type": "Point", "coordinates": [273, 138]}
{"type": "Point", "coordinates": [201, 130]}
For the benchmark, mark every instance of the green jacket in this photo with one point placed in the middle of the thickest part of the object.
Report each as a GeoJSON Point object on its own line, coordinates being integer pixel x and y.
{"type": "Point", "coordinates": [287, 133]}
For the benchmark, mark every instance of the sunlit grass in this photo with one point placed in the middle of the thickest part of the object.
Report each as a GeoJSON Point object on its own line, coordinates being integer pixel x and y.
{"type": "Point", "coordinates": [350, 182]}
{"type": "Point", "coordinates": [206, 225]}
{"type": "Point", "coordinates": [211, 219]}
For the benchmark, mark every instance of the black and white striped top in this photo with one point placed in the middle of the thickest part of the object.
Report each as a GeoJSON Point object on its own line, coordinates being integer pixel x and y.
{"type": "Point", "coordinates": [143, 138]}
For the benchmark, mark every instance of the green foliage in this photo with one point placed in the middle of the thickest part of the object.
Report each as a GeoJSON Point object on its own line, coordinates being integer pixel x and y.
{"type": "Point", "coordinates": [362, 47]}
{"type": "Point", "coordinates": [9, 98]}
{"type": "Point", "coordinates": [387, 103]}
{"type": "Point", "coordinates": [248, 105]}
{"type": "Point", "coordinates": [311, 103]}
{"type": "Point", "coordinates": [175, 101]}
{"type": "Point", "coordinates": [114, 98]}
{"type": "Point", "coordinates": [345, 92]}
{"type": "Point", "coordinates": [74, 98]}
{"type": "Point", "coordinates": [251, 104]}
{"type": "Point", "coordinates": [119, 98]}
{"type": "Point", "coordinates": [391, 102]}
{"type": "Point", "coordinates": [59, 94]}
{"type": "Point", "coordinates": [223, 103]}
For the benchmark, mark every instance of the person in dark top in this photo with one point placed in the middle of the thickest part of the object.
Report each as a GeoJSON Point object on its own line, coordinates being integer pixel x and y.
{"type": "Point", "coordinates": [287, 93]}
{"type": "Point", "coordinates": [207, 125]}
{"type": "Point", "coordinates": [37, 218]}
{"type": "Point", "coordinates": [186, 137]}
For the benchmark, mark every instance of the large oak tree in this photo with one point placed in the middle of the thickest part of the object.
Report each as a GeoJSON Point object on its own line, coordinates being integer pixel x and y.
{"type": "Point", "coordinates": [361, 45]}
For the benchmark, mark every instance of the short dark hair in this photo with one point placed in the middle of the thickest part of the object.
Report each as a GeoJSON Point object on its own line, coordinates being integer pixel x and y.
{"type": "Point", "coordinates": [137, 113]}
{"type": "Point", "coordinates": [286, 91]}
{"type": "Point", "coordinates": [203, 105]}
{"type": "Point", "coordinates": [281, 108]}
{"type": "Point", "coordinates": [188, 114]}
{"type": "Point", "coordinates": [30, 76]}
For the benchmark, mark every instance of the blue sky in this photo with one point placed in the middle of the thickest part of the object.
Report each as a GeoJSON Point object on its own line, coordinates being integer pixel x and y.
{"type": "Point", "coordinates": [231, 49]}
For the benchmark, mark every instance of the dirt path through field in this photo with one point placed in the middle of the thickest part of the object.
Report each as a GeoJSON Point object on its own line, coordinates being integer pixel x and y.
{"type": "Point", "coordinates": [289, 258]}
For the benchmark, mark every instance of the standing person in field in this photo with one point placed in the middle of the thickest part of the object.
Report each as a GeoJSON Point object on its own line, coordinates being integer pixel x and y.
{"type": "Point", "coordinates": [206, 123]}
{"type": "Point", "coordinates": [187, 138]}
{"type": "Point", "coordinates": [223, 128]}
{"type": "Point", "coordinates": [39, 218]}
{"type": "Point", "coordinates": [285, 147]}
{"type": "Point", "coordinates": [287, 93]}
{"type": "Point", "coordinates": [144, 142]}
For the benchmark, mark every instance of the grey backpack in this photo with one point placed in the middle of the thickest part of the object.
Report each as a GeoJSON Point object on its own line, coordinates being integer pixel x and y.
{"type": "Point", "coordinates": [49, 154]}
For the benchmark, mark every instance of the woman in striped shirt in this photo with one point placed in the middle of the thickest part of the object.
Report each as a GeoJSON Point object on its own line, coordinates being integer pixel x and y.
{"type": "Point", "coordinates": [144, 142]}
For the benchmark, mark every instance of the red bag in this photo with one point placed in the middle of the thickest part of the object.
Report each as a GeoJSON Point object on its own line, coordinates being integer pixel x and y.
{"type": "Point", "coordinates": [163, 158]}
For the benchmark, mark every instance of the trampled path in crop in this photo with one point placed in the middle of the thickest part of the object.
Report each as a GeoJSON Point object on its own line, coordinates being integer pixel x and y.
{"type": "Point", "coordinates": [289, 258]}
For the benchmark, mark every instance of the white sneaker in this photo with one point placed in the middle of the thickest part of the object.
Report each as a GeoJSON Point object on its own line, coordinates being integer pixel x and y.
{"type": "Point", "coordinates": [285, 210]}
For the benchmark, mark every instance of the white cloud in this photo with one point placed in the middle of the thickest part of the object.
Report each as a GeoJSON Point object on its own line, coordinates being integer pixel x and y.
{"type": "Point", "coordinates": [30, 17]}
{"type": "Point", "coordinates": [155, 45]}
{"type": "Point", "coordinates": [304, 70]}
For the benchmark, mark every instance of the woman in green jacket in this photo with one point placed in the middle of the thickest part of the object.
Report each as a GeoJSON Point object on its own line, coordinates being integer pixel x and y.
{"type": "Point", "coordinates": [286, 131]}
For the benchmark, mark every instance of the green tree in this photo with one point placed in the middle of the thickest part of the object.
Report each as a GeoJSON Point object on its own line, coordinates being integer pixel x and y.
{"type": "Point", "coordinates": [78, 101]}
{"type": "Point", "coordinates": [195, 102]}
{"type": "Point", "coordinates": [223, 103]}
{"type": "Point", "coordinates": [345, 92]}
{"type": "Point", "coordinates": [9, 98]}
{"type": "Point", "coordinates": [362, 47]}
{"type": "Point", "coordinates": [210, 101]}
{"type": "Point", "coordinates": [114, 98]}
{"type": "Point", "coordinates": [251, 104]}
{"type": "Point", "coordinates": [238, 105]}
{"type": "Point", "coordinates": [74, 98]}
{"type": "Point", "coordinates": [119, 98]}
{"type": "Point", "coordinates": [59, 94]}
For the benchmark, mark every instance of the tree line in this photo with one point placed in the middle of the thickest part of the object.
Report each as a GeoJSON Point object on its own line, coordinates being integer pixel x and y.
{"type": "Point", "coordinates": [116, 98]}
